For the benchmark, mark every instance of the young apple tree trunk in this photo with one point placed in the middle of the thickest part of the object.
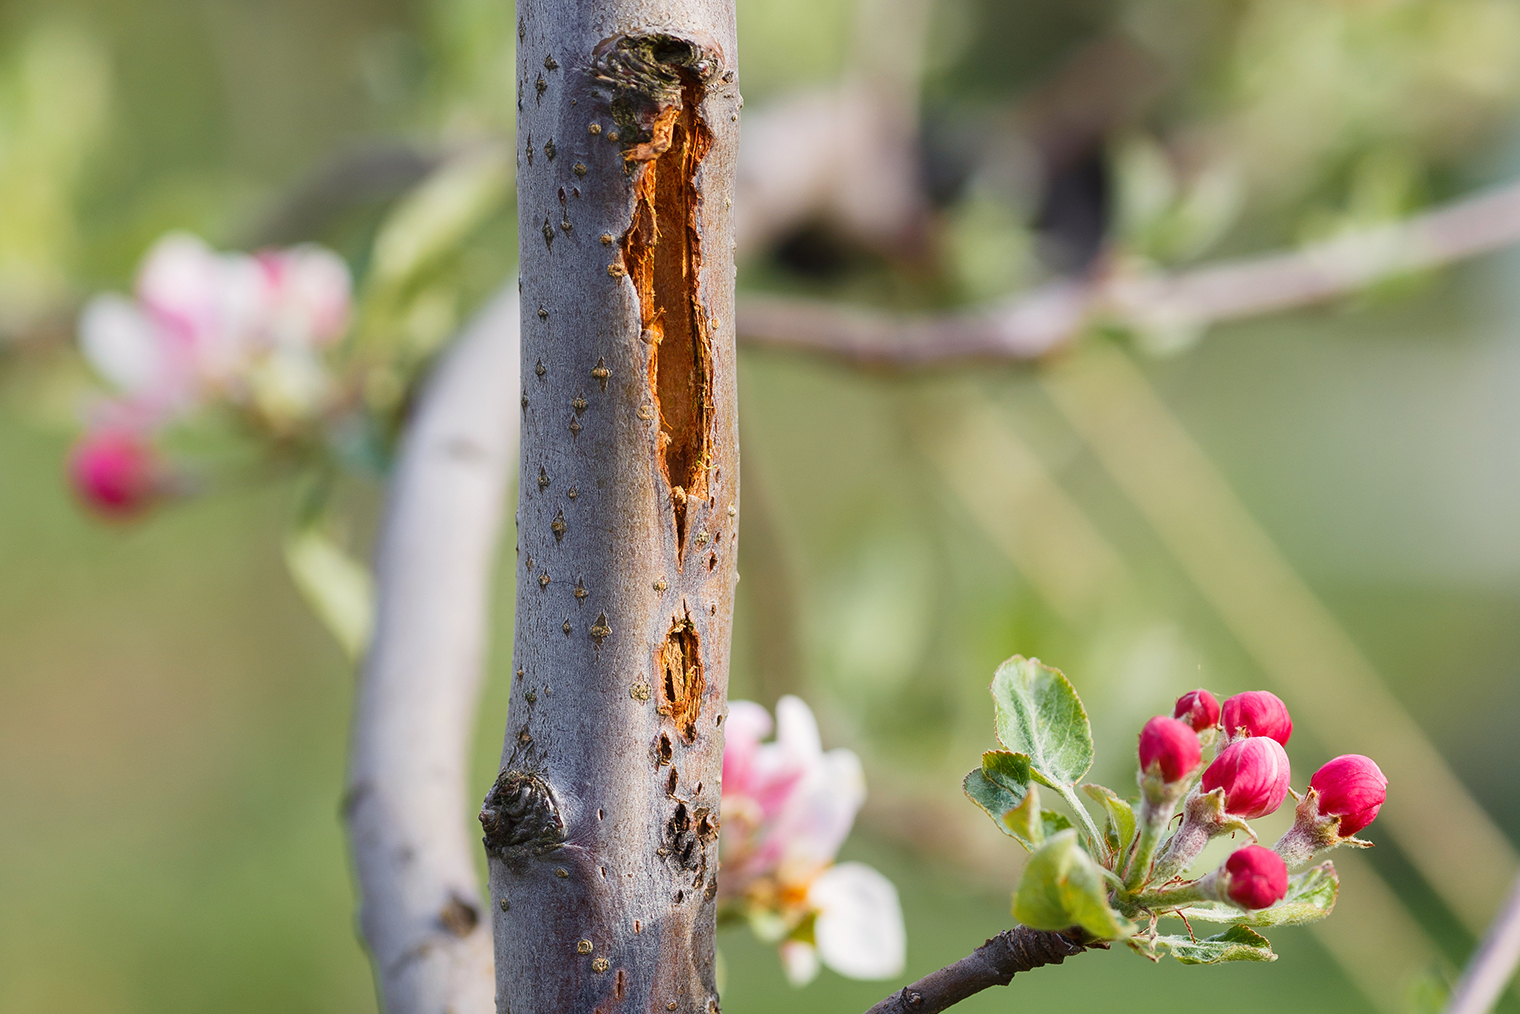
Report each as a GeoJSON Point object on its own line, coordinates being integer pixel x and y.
{"type": "Point", "coordinates": [602, 828]}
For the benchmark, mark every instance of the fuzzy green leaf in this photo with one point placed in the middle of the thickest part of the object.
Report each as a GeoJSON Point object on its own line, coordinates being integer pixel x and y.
{"type": "Point", "coordinates": [1053, 823]}
{"type": "Point", "coordinates": [1238, 943]}
{"type": "Point", "coordinates": [1064, 887]}
{"type": "Point", "coordinates": [1311, 896]}
{"type": "Point", "coordinates": [1004, 788]}
{"type": "Point", "coordinates": [1038, 714]}
{"type": "Point", "coordinates": [1120, 831]}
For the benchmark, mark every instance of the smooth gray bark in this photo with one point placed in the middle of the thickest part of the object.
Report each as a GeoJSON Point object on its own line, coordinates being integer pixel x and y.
{"type": "Point", "coordinates": [602, 827]}
{"type": "Point", "coordinates": [421, 907]}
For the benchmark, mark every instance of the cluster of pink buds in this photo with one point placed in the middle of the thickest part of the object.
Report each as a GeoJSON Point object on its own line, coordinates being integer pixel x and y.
{"type": "Point", "coordinates": [202, 328]}
{"type": "Point", "coordinates": [1222, 765]}
{"type": "Point", "coordinates": [1248, 778]}
{"type": "Point", "coordinates": [788, 806]}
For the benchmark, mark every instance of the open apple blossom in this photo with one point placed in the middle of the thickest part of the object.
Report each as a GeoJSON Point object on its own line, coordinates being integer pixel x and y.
{"type": "Point", "coordinates": [248, 331]}
{"type": "Point", "coordinates": [788, 806]}
{"type": "Point", "coordinates": [1089, 886]}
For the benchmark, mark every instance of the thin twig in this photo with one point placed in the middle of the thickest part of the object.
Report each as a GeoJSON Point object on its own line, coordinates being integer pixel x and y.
{"type": "Point", "coordinates": [1493, 965]}
{"type": "Point", "coordinates": [1035, 324]}
{"type": "Point", "coordinates": [995, 963]}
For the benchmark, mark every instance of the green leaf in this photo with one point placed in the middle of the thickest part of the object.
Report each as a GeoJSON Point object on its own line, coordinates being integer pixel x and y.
{"type": "Point", "coordinates": [1311, 896]}
{"type": "Point", "coordinates": [1052, 822]}
{"type": "Point", "coordinates": [1120, 831]}
{"type": "Point", "coordinates": [441, 212]}
{"type": "Point", "coordinates": [1064, 887]}
{"type": "Point", "coordinates": [1003, 787]}
{"type": "Point", "coordinates": [1040, 715]}
{"type": "Point", "coordinates": [337, 587]}
{"type": "Point", "coordinates": [1238, 943]}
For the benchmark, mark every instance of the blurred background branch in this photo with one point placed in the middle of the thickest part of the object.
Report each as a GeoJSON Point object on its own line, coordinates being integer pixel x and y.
{"type": "Point", "coordinates": [1173, 308]}
{"type": "Point", "coordinates": [1493, 966]}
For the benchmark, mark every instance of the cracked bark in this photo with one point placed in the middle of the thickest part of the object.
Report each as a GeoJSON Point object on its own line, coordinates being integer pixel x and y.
{"type": "Point", "coordinates": [601, 830]}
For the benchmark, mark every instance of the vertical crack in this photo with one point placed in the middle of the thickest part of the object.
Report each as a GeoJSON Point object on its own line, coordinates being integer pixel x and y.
{"type": "Point", "coordinates": [659, 84]}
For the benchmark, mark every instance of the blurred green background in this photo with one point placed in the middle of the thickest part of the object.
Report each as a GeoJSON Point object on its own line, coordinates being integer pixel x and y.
{"type": "Point", "coordinates": [173, 720]}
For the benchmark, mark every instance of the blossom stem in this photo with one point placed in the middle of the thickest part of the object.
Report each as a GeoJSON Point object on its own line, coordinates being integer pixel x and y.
{"type": "Point", "coordinates": [1184, 847]}
{"type": "Point", "coordinates": [1177, 897]}
{"type": "Point", "coordinates": [1100, 844]}
{"type": "Point", "coordinates": [995, 963]}
{"type": "Point", "coordinates": [1154, 816]}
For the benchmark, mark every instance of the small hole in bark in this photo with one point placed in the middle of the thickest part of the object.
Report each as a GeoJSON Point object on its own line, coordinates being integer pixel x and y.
{"type": "Point", "coordinates": [617, 986]}
{"type": "Point", "coordinates": [637, 928]}
{"type": "Point", "coordinates": [680, 897]}
{"type": "Point", "coordinates": [670, 783]}
{"type": "Point", "coordinates": [712, 561]}
{"type": "Point", "coordinates": [665, 750]}
{"type": "Point", "coordinates": [599, 815]}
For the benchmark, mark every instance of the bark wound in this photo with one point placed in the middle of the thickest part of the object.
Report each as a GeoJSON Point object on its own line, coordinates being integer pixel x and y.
{"type": "Point", "coordinates": [679, 664]}
{"type": "Point", "coordinates": [656, 84]}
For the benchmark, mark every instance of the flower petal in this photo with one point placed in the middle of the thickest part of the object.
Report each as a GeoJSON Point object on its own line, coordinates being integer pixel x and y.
{"type": "Point", "coordinates": [859, 926]}
{"type": "Point", "coordinates": [799, 961]}
{"type": "Point", "coordinates": [796, 728]}
{"type": "Point", "coordinates": [746, 725]}
{"type": "Point", "coordinates": [820, 811]}
{"type": "Point", "coordinates": [119, 342]}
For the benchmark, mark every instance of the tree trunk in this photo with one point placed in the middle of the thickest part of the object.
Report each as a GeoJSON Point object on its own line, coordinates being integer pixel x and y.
{"type": "Point", "coordinates": [602, 828]}
{"type": "Point", "coordinates": [420, 910]}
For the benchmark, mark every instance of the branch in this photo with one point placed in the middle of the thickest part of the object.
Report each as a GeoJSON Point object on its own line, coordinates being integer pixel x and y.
{"type": "Point", "coordinates": [1493, 965]}
{"type": "Point", "coordinates": [1035, 324]}
{"type": "Point", "coordinates": [420, 897]}
{"type": "Point", "coordinates": [995, 963]}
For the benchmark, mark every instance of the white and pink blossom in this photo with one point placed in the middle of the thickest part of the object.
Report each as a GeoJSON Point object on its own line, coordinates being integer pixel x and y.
{"type": "Point", "coordinates": [247, 329]}
{"type": "Point", "coordinates": [788, 806]}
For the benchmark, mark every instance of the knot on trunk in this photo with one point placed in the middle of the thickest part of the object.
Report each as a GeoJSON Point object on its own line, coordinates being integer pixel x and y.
{"type": "Point", "coordinates": [520, 817]}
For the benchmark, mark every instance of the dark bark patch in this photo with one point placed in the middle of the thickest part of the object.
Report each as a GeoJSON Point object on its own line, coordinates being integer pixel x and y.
{"type": "Point", "coordinates": [520, 817]}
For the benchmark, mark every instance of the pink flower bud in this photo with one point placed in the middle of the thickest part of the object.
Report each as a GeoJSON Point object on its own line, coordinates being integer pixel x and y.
{"type": "Point", "coordinates": [1198, 708]}
{"type": "Point", "coordinates": [1352, 788]}
{"type": "Point", "coordinates": [1255, 877]}
{"type": "Point", "coordinates": [1259, 714]}
{"type": "Point", "coordinates": [114, 471]}
{"type": "Point", "coordinates": [1169, 746]}
{"type": "Point", "coordinates": [1254, 775]}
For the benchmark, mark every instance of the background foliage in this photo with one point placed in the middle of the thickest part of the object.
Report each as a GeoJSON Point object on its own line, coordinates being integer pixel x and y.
{"type": "Point", "coordinates": [173, 721]}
